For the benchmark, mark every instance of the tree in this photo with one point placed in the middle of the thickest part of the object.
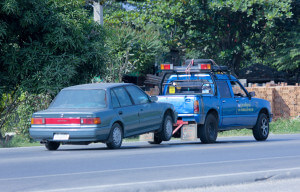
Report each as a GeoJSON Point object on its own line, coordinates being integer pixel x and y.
{"type": "Point", "coordinates": [224, 30]}
{"type": "Point", "coordinates": [45, 45]}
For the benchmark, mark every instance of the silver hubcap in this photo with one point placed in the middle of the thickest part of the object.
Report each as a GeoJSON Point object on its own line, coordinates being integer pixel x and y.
{"type": "Point", "coordinates": [117, 136]}
{"type": "Point", "coordinates": [264, 127]}
{"type": "Point", "coordinates": [169, 127]}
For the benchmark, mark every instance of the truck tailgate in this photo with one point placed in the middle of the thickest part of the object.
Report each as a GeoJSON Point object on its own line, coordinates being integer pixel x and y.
{"type": "Point", "coordinates": [184, 104]}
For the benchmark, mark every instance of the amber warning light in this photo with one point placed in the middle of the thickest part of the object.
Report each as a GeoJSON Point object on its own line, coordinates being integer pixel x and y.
{"type": "Point", "coordinates": [204, 66]}
{"type": "Point", "coordinates": [166, 66]}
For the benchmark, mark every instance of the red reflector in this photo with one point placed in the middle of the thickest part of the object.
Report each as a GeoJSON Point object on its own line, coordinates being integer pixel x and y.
{"type": "Point", "coordinates": [90, 120]}
{"type": "Point", "coordinates": [205, 66]}
{"type": "Point", "coordinates": [62, 120]}
{"type": "Point", "coordinates": [37, 121]}
{"type": "Point", "coordinates": [196, 106]}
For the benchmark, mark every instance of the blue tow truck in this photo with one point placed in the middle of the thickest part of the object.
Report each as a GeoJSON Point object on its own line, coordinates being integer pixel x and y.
{"type": "Point", "coordinates": [208, 100]}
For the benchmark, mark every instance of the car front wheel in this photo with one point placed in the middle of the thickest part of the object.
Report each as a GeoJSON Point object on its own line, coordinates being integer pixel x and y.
{"type": "Point", "coordinates": [115, 137]}
{"type": "Point", "coordinates": [167, 128]}
{"type": "Point", "coordinates": [261, 129]}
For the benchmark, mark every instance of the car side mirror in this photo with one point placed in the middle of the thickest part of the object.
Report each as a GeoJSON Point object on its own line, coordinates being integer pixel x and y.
{"type": "Point", "coordinates": [153, 98]}
{"type": "Point", "coordinates": [252, 94]}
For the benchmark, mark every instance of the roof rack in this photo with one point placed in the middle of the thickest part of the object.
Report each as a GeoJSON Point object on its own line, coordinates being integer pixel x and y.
{"type": "Point", "coordinates": [195, 66]}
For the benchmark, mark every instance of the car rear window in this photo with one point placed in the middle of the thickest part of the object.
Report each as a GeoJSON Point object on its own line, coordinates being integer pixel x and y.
{"type": "Point", "coordinates": [189, 84]}
{"type": "Point", "coordinates": [80, 99]}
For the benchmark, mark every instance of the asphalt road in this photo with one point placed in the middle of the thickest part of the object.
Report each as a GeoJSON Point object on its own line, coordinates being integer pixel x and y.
{"type": "Point", "coordinates": [140, 166]}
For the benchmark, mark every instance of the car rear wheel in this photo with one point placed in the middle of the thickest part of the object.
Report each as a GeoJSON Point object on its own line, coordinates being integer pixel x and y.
{"type": "Point", "coordinates": [52, 146]}
{"type": "Point", "coordinates": [261, 129]}
{"type": "Point", "coordinates": [209, 131]}
{"type": "Point", "coordinates": [116, 137]}
{"type": "Point", "coordinates": [167, 128]}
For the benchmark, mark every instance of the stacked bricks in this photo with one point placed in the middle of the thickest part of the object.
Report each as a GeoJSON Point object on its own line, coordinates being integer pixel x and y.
{"type": "Point", "coordinates": [285, 100]}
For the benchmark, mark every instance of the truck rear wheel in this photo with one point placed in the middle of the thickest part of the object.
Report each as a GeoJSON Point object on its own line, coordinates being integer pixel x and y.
{"type": "Point", "coordinates": [208, 132]}
{"type": "Point", "coordinates": [261, 129]}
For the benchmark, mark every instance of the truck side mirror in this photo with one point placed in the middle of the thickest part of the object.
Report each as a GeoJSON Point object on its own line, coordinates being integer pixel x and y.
{"type": "Point", "coordinates": [252, 94]}
{"type": "Point", "coordinates": [153, 98]}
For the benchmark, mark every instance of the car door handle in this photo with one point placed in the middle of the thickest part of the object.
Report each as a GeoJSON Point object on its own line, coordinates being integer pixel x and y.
{"type": "Point", "coordinates": [237, 101]}
{"type": "Point", "coordinates": [142, 110]}
{"type": "Point", "coordinates": [120, 112]}
{"type": "Point", "coordinates": [224, 101]}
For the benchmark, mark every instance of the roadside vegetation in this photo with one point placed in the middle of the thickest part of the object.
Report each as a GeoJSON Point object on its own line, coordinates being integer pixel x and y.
{"type": "Point", "coordinates": [46, 45]}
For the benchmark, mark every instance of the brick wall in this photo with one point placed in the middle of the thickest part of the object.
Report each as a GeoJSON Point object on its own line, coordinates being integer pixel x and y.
{"type": "Point", "coordinates": [285, 100]}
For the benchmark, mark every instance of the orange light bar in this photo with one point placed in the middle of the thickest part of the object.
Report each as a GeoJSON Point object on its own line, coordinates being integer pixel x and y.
{"type": "Point", "coordinates": [166, 66]}
{"type": "Point", "coordinates": [37, 121]}
{"type": "Point", "coordinates": [204, 66]}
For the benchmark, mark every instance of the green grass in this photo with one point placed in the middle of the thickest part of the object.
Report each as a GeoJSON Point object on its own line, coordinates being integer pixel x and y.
{"type": "Point", "coordinates": [280, 126]}
{"type": "Point", "coordinates": [20, 141]}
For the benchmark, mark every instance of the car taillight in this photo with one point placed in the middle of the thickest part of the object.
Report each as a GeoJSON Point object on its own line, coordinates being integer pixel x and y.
{"type": "Point", "coordinates": [37, 121]}
{"type": "Point", "coordinates": [89, 121]}
{"type": "Point", "coordinates": [196, 106]}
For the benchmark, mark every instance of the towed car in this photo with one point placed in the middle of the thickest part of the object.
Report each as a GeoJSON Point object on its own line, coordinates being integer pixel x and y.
{"type": "Point", "coordinates": [101, 112]}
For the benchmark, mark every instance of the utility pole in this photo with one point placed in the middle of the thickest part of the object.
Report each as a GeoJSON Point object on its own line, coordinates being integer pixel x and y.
{"type": "Point", "coordinates": [98, 11]}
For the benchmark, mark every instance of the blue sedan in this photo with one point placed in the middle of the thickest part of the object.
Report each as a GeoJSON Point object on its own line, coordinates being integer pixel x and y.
{"type": "Point", "coordinates": [102, 112]}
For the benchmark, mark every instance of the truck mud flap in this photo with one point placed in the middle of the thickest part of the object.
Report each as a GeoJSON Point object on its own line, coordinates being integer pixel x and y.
{"type": "Point", "coordinates": [189, 132]}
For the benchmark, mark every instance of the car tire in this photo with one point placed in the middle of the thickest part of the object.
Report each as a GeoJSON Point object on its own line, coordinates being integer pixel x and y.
{"type": "Point", "coordinates": [208, 132]}
{"type": "Point", "coordinates": [157, 140]}
{"type": "Point", "coordinates": [52, 146]}
{"type": "Point", "coordinates": [116, 137]}
{"type": "Point", "coordinates": [261, 129]}
{"type": "Point", "coordinates": [167, 128]}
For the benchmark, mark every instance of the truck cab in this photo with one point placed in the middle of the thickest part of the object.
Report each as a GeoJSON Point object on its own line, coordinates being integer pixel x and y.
{"type": "Point", "coordinates": [208, 99]}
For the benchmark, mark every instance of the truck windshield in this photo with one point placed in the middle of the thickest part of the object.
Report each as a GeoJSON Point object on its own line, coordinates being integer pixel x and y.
{"type": "Point", "coordinates": [80, 99]}
{"type": "Point", "coordinates": [189, 84]}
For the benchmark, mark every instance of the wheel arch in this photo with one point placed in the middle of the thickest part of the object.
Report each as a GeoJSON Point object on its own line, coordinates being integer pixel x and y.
{"type": "Point", "coordinates": [170, 111]}
{"type": "Point", "coordinates": [215, 113]}
{"type": "Point", "coordinates": [265, 111]}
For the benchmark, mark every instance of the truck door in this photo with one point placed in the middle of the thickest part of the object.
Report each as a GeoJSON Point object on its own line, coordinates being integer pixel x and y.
{"type": "Point", "coordinates": [245, 106]}
{"type": "Point", "coordinates": [228, 105]}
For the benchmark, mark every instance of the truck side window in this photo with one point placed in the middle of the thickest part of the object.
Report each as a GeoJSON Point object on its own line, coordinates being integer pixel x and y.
{"type": "Point", "coordinates": [238, 91]}
{"type": "Point", "coordinates": [223, 89]}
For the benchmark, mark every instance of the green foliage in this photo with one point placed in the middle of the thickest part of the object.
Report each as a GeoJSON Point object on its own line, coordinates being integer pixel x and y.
{"type": "Point", "coordinates": [285, 126]}
{"type": "Point", "coordinates": [130, 51]}
{"type": "Point", "coordinates": [47, 44]}
{"type": "Point", "coordinates": [225, 30]}
{"type": "Point", "coordinates": [18, 120]}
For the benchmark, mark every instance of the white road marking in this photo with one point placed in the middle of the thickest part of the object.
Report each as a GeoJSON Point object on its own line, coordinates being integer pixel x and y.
{"type": "Point", "coordinates": [167, 180]}
{"type": "Point", "coordinates": [144, 168]}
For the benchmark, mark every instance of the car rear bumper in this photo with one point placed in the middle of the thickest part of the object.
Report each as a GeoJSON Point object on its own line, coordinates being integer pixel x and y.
{"type": "Point", "coordinates": [76, 134]}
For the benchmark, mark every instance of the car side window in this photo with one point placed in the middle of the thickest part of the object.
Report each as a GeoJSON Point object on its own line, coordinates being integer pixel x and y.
{"type": "Point", "coordinates": [122, 96]}
{"type": "Point", "coordinates": [237, 90]}
{"type": "Point", "coordinates": [114, 99]}
{"type": "Point", "coordinates": [223, 89]}
{"type": "Point", "coordinates": [137, 95]}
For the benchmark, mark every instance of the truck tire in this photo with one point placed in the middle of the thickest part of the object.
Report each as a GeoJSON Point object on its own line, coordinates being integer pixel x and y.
{"type": "Point", "coordinates": [52, 146]}
{"type": "Point", "coordinates": [261, 129]}
{"type": "Point", "coordinates": [208, 132]}
{"type": "Point", "coordinates": [116, 137]}
{"type": "Point", "coordinates": [157, 140]}
{"type": "Point", "coordinates": [167, 128]}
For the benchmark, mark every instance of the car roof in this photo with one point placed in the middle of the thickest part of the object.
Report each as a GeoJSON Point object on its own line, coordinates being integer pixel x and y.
{"type": "Point", "coordinates": [96, 86]}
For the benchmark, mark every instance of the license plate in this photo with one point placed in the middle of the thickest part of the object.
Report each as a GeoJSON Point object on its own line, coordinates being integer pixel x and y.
{"type": "Point", "coordinates": [61, 137]}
